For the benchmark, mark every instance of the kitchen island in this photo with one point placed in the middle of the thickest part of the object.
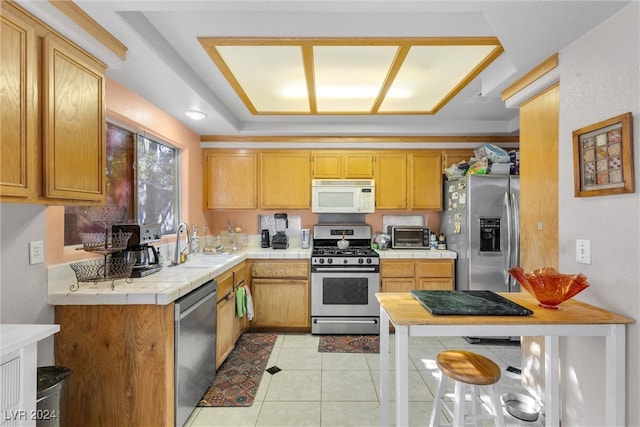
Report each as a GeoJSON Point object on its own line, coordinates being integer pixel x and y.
{"type": "Point", "coordinates": [575, 318]}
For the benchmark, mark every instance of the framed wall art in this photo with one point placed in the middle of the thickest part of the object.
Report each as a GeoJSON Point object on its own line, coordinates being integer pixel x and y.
{"type": "Point", "coordinates": [603, 158]}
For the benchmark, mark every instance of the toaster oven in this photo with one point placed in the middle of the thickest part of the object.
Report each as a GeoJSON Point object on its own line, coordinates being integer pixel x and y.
{"type": "Point", "coordinates": [409, 236]}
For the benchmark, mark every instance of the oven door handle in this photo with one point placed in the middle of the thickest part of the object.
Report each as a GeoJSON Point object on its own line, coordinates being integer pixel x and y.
{"type": "Point", "coordinates": [341, 269]}
{"type": "Point", "coordinates": [373, 321]}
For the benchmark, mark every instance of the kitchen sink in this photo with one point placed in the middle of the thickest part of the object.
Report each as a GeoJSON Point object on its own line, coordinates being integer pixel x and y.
{"type": "Point", "coordinates": [208, 261]}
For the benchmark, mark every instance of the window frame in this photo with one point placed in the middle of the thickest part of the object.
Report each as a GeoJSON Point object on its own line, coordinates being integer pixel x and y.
{"type": "Point", "coordinates": [134, 215]}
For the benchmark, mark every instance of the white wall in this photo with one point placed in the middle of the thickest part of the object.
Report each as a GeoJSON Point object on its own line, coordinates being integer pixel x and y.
{"type": "Point", "coordinates": [23, 287]}
{"type": "Point", "coordinates": [599, 79]}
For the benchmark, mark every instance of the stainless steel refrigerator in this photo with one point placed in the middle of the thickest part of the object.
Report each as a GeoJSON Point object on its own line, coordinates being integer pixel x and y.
{"type": "Point", "coordinates": [481, 221]}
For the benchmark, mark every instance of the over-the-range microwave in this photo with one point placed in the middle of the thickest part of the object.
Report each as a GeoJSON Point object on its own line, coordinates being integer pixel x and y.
{"type": "Point", "coordinates": [343, 196]}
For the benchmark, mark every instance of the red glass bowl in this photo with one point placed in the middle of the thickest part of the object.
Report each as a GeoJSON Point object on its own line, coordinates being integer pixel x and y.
{"type": "Point", "coordinates": [548, 286]}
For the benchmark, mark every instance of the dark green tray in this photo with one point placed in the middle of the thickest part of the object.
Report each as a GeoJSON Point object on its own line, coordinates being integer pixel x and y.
{"type": "Point", "coordinates": [469, 303]}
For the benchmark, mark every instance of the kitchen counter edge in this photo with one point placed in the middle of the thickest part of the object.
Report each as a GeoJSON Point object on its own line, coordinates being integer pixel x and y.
{"type": "Point", "coordinates": [161, 288]}
{"type": "Point", "coordinates": [171, 283]}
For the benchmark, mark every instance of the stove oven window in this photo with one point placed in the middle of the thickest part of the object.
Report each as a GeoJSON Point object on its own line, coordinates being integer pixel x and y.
{"type": "Point", "coordinates": [345, 291]}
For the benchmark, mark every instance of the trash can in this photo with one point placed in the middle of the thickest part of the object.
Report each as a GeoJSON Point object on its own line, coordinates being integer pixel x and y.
{"type": "Point", "coordinates": [52, 396]}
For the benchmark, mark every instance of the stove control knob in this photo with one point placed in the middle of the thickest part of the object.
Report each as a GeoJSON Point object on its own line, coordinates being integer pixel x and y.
{"type": "Point", "coordinates": [346, 261]}
{"type": "Point", "coordinates": [321, 260]}
{"type": "Point", "coordinates": [330, 261]}
{"type": "Point", "coordinates": [369, 261]}
{"type": "Point", "coordinates": [360, 261]}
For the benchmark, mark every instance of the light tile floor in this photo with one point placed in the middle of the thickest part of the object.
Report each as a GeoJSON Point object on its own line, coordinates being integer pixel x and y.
{"type": "Point", "coordinates": [340, 389]}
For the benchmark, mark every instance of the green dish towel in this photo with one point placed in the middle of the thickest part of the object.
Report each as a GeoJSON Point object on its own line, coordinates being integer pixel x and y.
{"type": "Point", "coordinates": [241, 305]}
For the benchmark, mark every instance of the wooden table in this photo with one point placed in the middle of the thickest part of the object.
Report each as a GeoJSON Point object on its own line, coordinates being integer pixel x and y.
{"type": "Point", "coordinates": [574, 318]}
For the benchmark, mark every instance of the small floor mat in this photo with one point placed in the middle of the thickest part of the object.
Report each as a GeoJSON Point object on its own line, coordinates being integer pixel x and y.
{"type": "Point", "coordinates": [238, 378]}
{"type": "Point", "coordinates": [349, 344]}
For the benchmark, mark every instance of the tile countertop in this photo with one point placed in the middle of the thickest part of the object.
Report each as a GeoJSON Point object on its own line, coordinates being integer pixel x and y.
{"type": "Point", "coordinates": [410, 253]}
{"type": "Point", "coordinates": [160, 288]}
{"type": "Point", "coordinates": [171, 283]}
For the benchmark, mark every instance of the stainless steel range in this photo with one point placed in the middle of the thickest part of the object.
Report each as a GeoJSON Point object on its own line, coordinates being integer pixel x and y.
{"type": "Point", "coordinates": [344, 281]}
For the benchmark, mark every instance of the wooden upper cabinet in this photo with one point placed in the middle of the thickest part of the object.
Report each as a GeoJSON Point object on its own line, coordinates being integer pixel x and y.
{"type": "Point", "coordinates": [426, 180]}
{"type": "Point", "coordinates": [230, 180]}
{"type": "Point", "coordinates": [455, 156]}
{"type": "Point", "coordinates": [391, 181]}
{"type": "Point", "coordinates": [358, 165]}
{"type": "Point", "coordinates": [343, 165]}
{"type": "Point", "coordinates": [52, 113]}
{"type": "Point", "coordinates": [285, 180]}
{"type": "Point", "coordinates": [18, 106]}
{"type": "Point", "coordinates": [74, 123]}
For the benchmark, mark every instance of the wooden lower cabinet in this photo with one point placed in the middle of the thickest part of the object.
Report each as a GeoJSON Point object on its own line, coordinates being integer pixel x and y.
{"type": "Point", "coordinates": [229, 325]}
{"type": "Point", "coordinates": [121, 359]}
{"type": "Point", "coordinates": [225, 317]}
{"type": "Point", "coordinates": [404, 275]}
{"type": "Point", "coordinates": [280, 291]}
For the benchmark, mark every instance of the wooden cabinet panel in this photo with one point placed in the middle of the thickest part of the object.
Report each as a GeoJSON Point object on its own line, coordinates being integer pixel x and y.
{"type": "Point", "coordinates": [298, 269]}
{"type": "Point", "coordinates": [327, 165]}
{"type": "Point", "coordinates": [18, 106]}
{"type": "Point", "coordinates": [285, 180]}
{"type": "Point", "coordinates": [358, 165]}
{"type": "Point", "coordinates": [122, 363]}
{"type": "Point", "coordinates": [281, 303]}
{"type": "Point", "coordinates": [342, 164]}
{"type": "Point", "coordinates": [225, 330]}
{"type": "Point", "coordinates": [405, 274]}
{"type": "Point", "coordinates": [393, 268]}
{"type": "Point", "coordinates": [453, 157]}
{"type": "Point", "coordinates": [280, 292]}
{"type": "Point", "coordinates": [434, 268]}
{"type": "Point", "coordinates": [539, 124]}
{"type": "Point", "coordinates": [52, 113]}
{"type": "Point", "coordinates": [426, 180]}
{"type": "Point", "coordinates": [74, 123]}
{"type": "Point", "coordinates": [398, 285]}
{"type": "Point", "coordinates": [435, 284]}
{"type": "Point", "coordinates": [230, 180]}
{"type": "Point", "coordinates": [225, 284]}
{"type": "Point", "coordinates": [391, 181]}
{"type": "Point", "coordinates": [229, 325]}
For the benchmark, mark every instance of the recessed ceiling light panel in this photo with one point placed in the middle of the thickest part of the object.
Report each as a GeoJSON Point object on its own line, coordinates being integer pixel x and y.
{"type": "Point", "coordinates": [350, 76]}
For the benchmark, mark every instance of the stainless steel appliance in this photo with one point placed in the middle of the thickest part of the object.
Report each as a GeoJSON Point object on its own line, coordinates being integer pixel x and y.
{"type": "Point", "coordinates": [139, 247]}
{"type": "Point", "coordinates": [344, 282]}
{"type": "Point", "coordinates": [265, 241]}
{"type": "Point", "coordinates": [305, 238]}
{"type": "Point", "coordinates": [481, 222]}
{"type": "Point", "coordinates": [194, 347]}
{"type": "Point", "coordinates": [280, 240]}
{"type": "Point", "coordinates": [331, 196]}
{"type": "Point", "coordinates": [409, 236]}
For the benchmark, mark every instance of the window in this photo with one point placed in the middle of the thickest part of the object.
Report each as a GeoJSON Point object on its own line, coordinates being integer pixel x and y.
{"type": "Point", "coordinates": [142, 176]}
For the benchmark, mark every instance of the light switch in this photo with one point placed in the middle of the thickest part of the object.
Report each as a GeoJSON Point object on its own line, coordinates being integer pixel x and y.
{"type": "Point", "coordinates": [583, 251]}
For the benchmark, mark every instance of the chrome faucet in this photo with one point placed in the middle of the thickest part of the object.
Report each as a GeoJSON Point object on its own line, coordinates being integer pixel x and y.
{"type": "Point", "coordinates": [178, 254]}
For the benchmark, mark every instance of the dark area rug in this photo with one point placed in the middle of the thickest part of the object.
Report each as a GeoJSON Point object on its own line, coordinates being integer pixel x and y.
{"type": "Point", "coordinates": [349, 344]}
{"type": "Point", "coordinates": [239, 376]}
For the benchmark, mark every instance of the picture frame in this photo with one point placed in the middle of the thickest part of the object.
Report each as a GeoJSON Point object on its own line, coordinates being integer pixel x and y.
{"type": "Point", "coordinates": [603, 158]}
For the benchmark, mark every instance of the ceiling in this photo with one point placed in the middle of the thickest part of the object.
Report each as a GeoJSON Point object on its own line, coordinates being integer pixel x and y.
{"type": "Point", "coordinates": [166, 63]}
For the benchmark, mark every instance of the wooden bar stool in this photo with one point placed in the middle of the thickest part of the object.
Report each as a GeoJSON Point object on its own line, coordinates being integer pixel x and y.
{"type": "Point", "coordinates": [467, 369]}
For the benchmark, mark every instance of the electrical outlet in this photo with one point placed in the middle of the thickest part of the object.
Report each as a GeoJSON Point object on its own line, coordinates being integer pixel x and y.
{"type": "Point", "coordinates": [583, 251]}
{"type": "Point", "coordinates": [36, 252]}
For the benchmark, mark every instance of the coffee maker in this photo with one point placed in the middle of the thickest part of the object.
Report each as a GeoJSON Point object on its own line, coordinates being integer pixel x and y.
{"type": "Point", "coordinates": [139, 247]}
{"type": "Point", "coordinates": [280, 240]}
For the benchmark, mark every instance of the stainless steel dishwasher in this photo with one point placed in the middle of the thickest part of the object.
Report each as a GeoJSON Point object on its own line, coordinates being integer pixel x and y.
{"type": "Point", "coordinates": [195, 347]}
